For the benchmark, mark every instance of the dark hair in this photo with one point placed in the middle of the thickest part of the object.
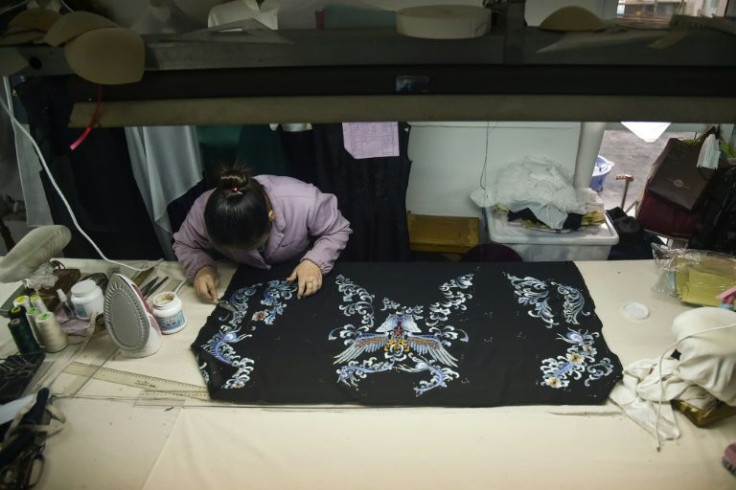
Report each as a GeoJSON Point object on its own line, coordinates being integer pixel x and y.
{"type": "Point", "coordinates": [236, 213]}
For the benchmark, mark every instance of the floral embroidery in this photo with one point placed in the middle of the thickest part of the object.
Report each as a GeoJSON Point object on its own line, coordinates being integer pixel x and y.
{"type": "Point", "coordinates": [405, 348]}
{"type": "Point", "coordinates": [578, 361]}
{"type": "Point", "coordinates": [233, 330]}
{"type": "Point", "coordinates": [533, 292]}
{"type": "Point", "coordinates": [573, 304]}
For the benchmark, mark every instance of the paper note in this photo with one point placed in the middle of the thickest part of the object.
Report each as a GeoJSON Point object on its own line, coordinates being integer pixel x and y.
{"type": "Point", "coordinates": [371, 140]}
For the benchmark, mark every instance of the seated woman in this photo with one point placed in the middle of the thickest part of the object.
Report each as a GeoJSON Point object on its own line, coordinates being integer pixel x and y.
{"type": "Point", "coordinates": [259, 221]}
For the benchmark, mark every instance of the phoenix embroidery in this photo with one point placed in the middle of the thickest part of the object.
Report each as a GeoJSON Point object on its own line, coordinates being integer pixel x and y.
{"type": "Point", "coordinates": [405, 348]}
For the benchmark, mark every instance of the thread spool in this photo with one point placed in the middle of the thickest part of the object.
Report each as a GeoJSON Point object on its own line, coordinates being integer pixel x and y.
{"type": "Point", "coordinates": [38, 303]}
{"type": "Point", "coordinates": [21, 331]}
{"type": "Point", "coordinates": [22, 300]}
{"type": "Point", "coordinates": [50, 333]}
{"type": "Point", "coordinates": [444, 21]}
{"type": "Point", "coordinates": [31, 314]}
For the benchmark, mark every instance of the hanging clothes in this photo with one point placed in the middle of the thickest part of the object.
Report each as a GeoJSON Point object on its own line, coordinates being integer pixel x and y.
{"type": "Point", "coordinates": [371, 194]}
{"type": "Point", "coordinates": [96, 178]}
{"type": "Point", "coordinates": [453, 334]}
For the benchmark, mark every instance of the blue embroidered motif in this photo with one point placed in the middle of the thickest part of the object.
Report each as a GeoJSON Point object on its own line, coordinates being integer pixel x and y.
{"type": "Point", "coordinates": [579, 359]}
{"type": "Point", "coordinates": [533, 292]}
{"type": "Point", "coordinates": [219, 345]}
{"type": "Point", "coordinates": [405, 348]}
{"type": "Point", "coordinates": [574, 303]}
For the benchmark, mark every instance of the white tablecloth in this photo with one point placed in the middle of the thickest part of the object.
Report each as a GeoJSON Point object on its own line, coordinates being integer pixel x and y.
{"type": "Point", "coordinates": [113, 442]}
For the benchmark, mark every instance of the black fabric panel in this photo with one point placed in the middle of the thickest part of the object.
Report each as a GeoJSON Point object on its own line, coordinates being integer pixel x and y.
{"type": "Point", "coordinates": [371, 194]}
{"type": "Point", "coordinates": [96, 178]}
{"type": "Point", "coordinates": [292, 359]}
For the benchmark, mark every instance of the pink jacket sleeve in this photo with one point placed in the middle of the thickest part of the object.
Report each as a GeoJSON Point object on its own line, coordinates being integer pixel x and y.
{"type": "Point", "coordinates": [191, 241]}
{"type": "Point", "coordinates": [331, 230]}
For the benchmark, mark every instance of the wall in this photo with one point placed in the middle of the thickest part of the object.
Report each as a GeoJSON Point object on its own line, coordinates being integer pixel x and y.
{"type": "Point", "coordinates": [449, 158]}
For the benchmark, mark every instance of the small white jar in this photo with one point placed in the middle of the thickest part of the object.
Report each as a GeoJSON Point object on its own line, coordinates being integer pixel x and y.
{"type": "Point", "coordinates": [167, 309]}
{"type": "Point", "coordinates": [87, 299]}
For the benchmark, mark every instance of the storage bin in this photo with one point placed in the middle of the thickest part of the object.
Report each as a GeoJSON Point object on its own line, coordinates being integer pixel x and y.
{"type": "Point", "coordinates": [588, 243]}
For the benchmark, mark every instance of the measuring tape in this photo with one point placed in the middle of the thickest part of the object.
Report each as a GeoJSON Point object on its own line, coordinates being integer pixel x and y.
{"type": "Point", "coordinates": [154, 388]}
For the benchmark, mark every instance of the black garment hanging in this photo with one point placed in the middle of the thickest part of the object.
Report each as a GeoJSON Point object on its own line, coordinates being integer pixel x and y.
{"type": "Point", "coordinates": [449, 334]}
{"type": "Point", "coordinates": [96, 178]}
{"type": "Point", "coordinates": [371, 194]}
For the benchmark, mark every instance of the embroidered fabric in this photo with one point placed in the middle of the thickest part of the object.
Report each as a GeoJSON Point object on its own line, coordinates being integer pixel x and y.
{"type": "Point", "coordinates": [456, 334]}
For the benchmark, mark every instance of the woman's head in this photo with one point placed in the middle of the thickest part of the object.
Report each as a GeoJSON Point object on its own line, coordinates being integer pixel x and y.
{"type": "Point", "coordinates": [237, 213]}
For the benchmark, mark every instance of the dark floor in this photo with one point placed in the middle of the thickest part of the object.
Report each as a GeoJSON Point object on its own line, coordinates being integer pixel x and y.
{"type": "Point", "coordinates": [630, 155]}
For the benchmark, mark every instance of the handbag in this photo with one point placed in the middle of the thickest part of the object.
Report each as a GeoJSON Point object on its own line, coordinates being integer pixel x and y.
{"type": "Point", "coordinates": [660, 216]}
{"type": "Point", "coordinates": [676, 178]}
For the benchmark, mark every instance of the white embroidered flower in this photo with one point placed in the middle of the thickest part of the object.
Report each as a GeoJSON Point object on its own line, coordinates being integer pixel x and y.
{"type": "Point", "coordinates": [575, 358]}
{"type": "Point", "coordinates": [554, 382]}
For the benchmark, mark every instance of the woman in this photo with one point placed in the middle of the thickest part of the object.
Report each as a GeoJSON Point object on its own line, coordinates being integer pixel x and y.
{"type": "Point", "coordinates": [260, 221]}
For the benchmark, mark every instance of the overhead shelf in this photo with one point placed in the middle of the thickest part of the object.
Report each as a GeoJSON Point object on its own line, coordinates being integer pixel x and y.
{"type": "Point", "coordinates": [376, 74]}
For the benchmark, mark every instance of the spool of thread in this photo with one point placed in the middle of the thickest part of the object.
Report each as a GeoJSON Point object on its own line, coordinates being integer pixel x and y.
{"type": "Point", "coordinates": [21, 331]}
{"type": "Point", "coordinates": [50, 333]}
{"type": "Point", "coordinates": [22, 300]}
{"type": "Point", "coordinates": [38, 303]}
{"type": "Point", "coordinates": [31, 314]}
{"type": "Point", "coordinates": [444, 21]}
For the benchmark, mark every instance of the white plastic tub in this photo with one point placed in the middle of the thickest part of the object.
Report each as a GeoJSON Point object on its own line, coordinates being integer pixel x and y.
{"type": "Point", "coordinates": [588, 243]}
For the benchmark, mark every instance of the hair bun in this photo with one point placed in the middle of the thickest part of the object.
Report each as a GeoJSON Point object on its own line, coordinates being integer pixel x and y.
{"type": "Point", "coordinates": [236, 180]}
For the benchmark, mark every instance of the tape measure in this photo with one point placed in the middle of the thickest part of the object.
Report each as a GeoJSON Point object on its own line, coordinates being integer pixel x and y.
{"type": "Point", "coordinates": [154, 388]}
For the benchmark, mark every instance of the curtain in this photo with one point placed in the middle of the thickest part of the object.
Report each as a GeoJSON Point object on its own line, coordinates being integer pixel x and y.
{"type": "Point", "coordinates": [18, 153]}
{"type": "Point", "coordinates": [166, 164]}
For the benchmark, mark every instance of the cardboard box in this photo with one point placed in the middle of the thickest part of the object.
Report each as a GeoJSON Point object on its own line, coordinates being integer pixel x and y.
{"type": "Point", "coordinates": [445, 234]}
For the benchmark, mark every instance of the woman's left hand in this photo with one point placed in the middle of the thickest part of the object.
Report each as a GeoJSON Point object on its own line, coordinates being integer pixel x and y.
{"type": "Point", "coordinates": [309, 276]}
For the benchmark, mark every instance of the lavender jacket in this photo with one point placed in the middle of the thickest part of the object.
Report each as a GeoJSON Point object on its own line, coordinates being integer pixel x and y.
{"type": "Point", "coordinates": [301, 210]}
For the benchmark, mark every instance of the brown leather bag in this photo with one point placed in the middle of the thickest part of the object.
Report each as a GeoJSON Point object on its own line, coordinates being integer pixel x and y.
{"type": "Point", "coordinates": [676, 178]}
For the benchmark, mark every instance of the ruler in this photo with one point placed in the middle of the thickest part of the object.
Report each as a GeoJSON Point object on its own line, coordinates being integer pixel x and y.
{"type": "Point", "coordinates": [154, 388]}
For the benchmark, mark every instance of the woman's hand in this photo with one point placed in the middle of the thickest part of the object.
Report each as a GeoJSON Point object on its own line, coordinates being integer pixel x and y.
{"type": "Point", "coordinates": [205, 282]}
{"type": "Point", "coordinates": [309, 276]}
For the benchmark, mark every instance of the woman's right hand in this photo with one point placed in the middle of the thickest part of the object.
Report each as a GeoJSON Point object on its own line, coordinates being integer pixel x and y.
{"type": "Point", "coordinates": [205, 282]}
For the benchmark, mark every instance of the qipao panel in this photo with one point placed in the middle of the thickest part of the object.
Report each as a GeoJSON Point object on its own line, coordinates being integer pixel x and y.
{"type": "Point", "coordinates": [447, 334]}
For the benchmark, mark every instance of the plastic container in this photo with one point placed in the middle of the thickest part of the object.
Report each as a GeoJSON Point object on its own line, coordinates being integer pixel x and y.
{"type": "Point", "coordinates": [601, 170]}
{"type": "Point", "coordinates": [588, 243]}
{"type": "Point", "coordinates": [87, 299]}
{"type": "Point", "coordinates": [167, 309]}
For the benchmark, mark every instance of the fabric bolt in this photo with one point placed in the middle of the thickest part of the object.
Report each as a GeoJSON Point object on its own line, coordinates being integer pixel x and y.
{"type": "Point", "coordinates": [301, 212]}
{"type": "Point", "coordinates": [454, 334]}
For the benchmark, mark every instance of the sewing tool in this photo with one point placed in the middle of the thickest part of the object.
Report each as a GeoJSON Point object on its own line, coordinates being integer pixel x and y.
{"type": "Point", "coordinates": [163, 387]}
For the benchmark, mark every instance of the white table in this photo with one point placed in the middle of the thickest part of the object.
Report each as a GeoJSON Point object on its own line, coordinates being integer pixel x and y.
{"type": "Point", "coordinates": [113, 442]}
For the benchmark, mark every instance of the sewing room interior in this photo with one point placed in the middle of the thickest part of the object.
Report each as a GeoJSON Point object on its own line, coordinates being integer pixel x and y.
{"type": "Point", "coordinates": [355, 244]}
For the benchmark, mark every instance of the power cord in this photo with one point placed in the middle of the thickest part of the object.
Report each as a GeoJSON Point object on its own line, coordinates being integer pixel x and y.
{"type": "Point", "coordinates": [19, 127]}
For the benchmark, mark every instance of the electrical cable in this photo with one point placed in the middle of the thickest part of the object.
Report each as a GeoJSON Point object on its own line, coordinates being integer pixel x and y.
{"type": "Point", "coordinates": [19, 127]}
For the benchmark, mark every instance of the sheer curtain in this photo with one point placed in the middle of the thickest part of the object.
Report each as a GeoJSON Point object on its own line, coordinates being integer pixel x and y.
{"type": "Point", "coordinates": [166, 164]}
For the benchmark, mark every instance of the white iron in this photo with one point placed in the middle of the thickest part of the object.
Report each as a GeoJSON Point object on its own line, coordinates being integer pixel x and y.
{"type": "Point", "coordinates": [128, 319]}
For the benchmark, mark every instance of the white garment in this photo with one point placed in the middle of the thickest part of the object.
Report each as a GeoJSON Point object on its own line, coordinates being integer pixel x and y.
{"type": "Point", "coordinates": [704, 374]}
{"type": "Point", "coordinates": [539, 184]}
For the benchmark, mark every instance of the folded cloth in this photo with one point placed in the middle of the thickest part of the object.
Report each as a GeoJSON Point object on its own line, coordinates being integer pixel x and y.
{"type": "Point", "coordinates": [704, 373]}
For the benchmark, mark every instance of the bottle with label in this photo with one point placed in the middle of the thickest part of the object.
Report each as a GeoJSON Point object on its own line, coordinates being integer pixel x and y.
{"type": "Point", "coordinates": [87, 299]}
